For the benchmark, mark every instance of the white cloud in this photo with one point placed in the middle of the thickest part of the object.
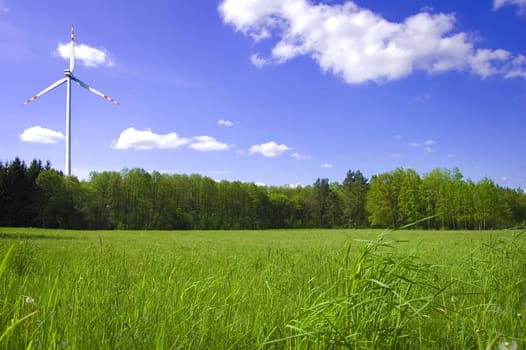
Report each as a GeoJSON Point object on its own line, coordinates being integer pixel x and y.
{"type": "Point", "coordinates": [258, 61]}
{"type": "Point", "coordinates": [264, 34]}
{"type": "Point", "coordinates": [226, 123]}
{"type": "Point", "coordinates": [360, 45]}
{"type": "Point", "coordinates": [517, 68]}
{"type": "Point", "coordinates": [482, 61]}
{"type": "Point", "coordinates": [504, 179]}
{"type": "Point", "coordinates": [521, 4]}
{"type": "Point", "coordinates": [39, 134]}
{"type": "Point", "coordinates": [426, 145]}
{"type": "Point", "coordinates": [146, 140]}
{"type": "Point", "coordinates": [428, 142]}
{"type": "Point", "coordinates": [395, 155]}
{"type": "Point", "coordinates": [270, 149]}
{"type": "Point", "coordinates": [327, 165]}
{"type": "Point", "coordinates": [300, 156]}
{"type": "Point", "coordinates": [207, 144]}
{"type": "Point", "coordinates": [87, 55]}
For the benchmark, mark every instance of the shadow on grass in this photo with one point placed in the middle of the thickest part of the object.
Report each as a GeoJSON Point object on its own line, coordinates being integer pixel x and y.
{"type": "Point", "coordinates": [21, 235]}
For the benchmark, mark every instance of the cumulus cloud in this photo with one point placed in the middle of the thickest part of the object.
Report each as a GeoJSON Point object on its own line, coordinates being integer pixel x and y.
{"type": "Point", "coordinates": [146, 140]}
{"type": "Point", "coordinates": [426, 145]}
{"type": "Point", "coordinates": [428, 142]}
{"type": "Point", "coordinates": [359, 45]}
{"type": "Point", "coordinates": [521, 4]}
{"type": "Point", "coordinates": [517, 68]}
{"type": "Point", "coordinates": [226, 123]}
{"type": "Point", "coordinates": [132, 138]}
{"type": "Point", "coordinates": [39, 134]}
{"type": "Point", "coordinates": [270, 149]}
{"type": "Point", "coordinates": [327, 165]}
{"type": "Point", "coordinates": [257, 60]}
{"type": "Point", "coordinates": [207, 144]}
{"type": "Point", "coordinates": [87, 55]}
{"type": "Point", "coordinates": [300, 156]}
{"type": "Point", "coordinates": [264, 34]}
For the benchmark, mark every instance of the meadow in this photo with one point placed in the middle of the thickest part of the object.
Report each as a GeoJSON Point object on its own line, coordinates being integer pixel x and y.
{"type": "Point", "coordinates": [275, 289]}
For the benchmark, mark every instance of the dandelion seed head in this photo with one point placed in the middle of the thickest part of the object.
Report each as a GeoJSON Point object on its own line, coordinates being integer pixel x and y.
{"type": "Point", "coordinates": [506, 345]}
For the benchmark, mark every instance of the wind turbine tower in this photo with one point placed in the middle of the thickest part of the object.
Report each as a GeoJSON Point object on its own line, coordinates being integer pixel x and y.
{"type": "Point", "coordinates": [68, 72]}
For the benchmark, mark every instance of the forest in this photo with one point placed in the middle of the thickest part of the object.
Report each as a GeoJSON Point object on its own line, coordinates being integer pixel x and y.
{"type": "Point", "coordinates": [36, 195]}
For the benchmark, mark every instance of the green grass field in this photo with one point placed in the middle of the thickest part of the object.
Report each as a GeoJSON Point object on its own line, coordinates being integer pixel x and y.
{"type": "Point", "coordinates": [279, 289]}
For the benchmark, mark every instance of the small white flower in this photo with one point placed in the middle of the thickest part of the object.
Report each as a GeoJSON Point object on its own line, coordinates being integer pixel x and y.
{"type": "Point", "coordinates": [29, 300]}
{"type": "Point", "coordinates": [506, 345]}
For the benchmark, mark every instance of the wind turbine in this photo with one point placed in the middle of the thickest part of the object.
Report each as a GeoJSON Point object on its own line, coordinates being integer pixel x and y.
{"type": "Point", "coordinates": [69, 77]}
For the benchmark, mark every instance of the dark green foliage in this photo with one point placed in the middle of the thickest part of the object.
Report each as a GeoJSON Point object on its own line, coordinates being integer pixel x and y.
{"type": "Point", "coordinates": [17, 190]}
{"type": "Point", "coordinates": [137, 200]}
{"type": "Point", "coordinates": [354, 191]}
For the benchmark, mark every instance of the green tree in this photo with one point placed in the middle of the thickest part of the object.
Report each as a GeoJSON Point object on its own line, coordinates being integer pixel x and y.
{"type": "Point", "coordinates": [138, 198]}
{"type": "Point", "coordinates": [105, 208]}
{"type": "Point", "coordinates": [411, 204]}
{"type": "Point", "coordinates": [51, 200]}
{"type": "Point", "coordinates": [486, 202]}
{"type": "Point", "coordinates": [435, 197]}
{"type": "Point", "coordinates": [354, 190]}
{"type": "Point", "coordinates": [16, 195]}
{"type": "Point", "coordinates": [320, 202]}
{"type": "Point", "coordinates": [75, 201]}
{"type": "Point", "coordinates": [382, 199]}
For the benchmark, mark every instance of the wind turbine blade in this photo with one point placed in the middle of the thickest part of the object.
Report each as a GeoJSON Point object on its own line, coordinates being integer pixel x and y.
{"type": "Point", "coordinates": [96, 92]}
{"type": "Point", "coordinates": [49, 88]}
{"type": "Point", "coordinates": [72, 50]}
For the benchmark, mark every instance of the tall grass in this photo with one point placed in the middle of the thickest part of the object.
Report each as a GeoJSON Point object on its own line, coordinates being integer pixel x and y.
{"type": "Point", "coordinates": [393, 300]}
{"type": "Point", "coordinates": [262, 290]}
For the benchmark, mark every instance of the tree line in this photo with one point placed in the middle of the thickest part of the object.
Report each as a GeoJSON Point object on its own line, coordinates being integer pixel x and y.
{"type": "Point", "coordinates": [37, 195]}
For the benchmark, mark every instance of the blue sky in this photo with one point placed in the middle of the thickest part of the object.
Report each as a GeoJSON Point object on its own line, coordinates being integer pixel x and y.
{"type": "Point", "coordinates": [270, 91]}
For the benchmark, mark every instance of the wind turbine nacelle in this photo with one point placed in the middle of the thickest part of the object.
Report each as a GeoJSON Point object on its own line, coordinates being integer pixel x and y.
{"type": "Point", "coordinates": [67, 73]}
